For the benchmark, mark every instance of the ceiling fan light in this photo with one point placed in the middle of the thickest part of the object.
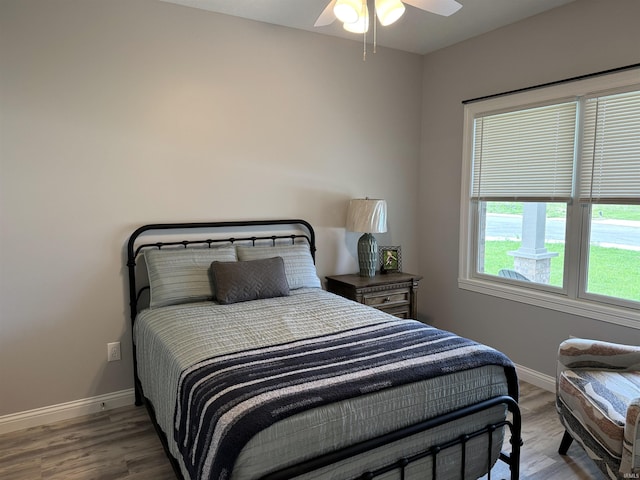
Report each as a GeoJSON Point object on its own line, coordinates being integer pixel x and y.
{"type": "Point", "coordinates": [348, 11]}
{"type": "Point", "coordinates": [389, 11]}
{"type": "Point", "coordinates": [360, 26]}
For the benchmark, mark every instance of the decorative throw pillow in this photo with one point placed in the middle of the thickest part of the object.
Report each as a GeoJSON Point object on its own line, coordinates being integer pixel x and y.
{"type": "Point", "coordinates": [181, 275]}
{"type": "Point", "coordinates": [298, 262]}
{"type": "Point", "coordinates": [250, 280]}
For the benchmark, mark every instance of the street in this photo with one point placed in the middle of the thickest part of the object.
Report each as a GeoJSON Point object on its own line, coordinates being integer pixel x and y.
{"type": "Point", "coordinates": [614, 233]}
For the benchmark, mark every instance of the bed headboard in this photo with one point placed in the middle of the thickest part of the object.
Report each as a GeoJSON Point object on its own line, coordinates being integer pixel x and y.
{"type": "Point", "coordinates": [208, 234]}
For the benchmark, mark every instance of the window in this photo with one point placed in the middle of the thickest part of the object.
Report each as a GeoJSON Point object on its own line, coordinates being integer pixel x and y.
{"type": "Point", "coordinates": [551, 197]}
{"type": "Point", "coordinates": [610, 187]}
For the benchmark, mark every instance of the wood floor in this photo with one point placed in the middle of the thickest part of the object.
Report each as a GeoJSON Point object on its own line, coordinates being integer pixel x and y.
{"type": "Point", "coordinates": [122, 444]}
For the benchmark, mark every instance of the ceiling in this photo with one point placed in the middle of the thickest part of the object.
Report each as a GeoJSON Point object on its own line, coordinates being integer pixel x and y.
{"type": "Point", "coordinates": [417, 31]}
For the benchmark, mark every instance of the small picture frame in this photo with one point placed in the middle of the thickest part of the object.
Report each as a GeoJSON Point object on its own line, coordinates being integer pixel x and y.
{"type": "Point", "coordinates": [390, 259]}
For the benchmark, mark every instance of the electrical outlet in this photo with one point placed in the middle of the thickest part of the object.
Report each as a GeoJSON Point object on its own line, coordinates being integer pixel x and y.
{"type": "Point", "coordinates": [113, 351]}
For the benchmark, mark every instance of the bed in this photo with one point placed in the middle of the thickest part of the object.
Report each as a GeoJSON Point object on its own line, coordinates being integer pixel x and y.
{"type": "Point", "coordinates": [250, 370]}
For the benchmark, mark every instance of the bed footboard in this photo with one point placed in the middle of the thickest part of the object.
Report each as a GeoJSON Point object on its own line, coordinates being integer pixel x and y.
{"type": "Point", "coordinates": [511, 458]}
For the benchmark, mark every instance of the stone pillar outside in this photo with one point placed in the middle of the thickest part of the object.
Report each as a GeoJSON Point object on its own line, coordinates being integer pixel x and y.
{"type": "Point", "coordinates": [532, 259]}
{"type": "Point", "coordinates": [536, 268]}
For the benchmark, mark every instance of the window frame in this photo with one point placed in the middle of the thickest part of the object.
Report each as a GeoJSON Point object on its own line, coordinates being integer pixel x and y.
{"type": "Point", "coordinates": [572, 297]}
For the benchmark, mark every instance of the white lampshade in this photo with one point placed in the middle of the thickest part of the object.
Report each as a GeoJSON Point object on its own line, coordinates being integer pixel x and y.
{"type": "Point", "coordinates": [389, 11]}
{"type": "Point", "coordinates": [367, 215]}
{"type": "Point", "coordinates": [348, 11]}
{"type": "Point", "coordinates": [360, 26]}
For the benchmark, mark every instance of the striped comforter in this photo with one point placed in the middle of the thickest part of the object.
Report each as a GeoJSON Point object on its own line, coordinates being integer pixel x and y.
{"type": "Point", "coordinates": [224, 401]}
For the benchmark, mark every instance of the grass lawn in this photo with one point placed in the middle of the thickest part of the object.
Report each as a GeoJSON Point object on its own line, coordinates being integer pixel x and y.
{"type": "Point", "coordinates": [613, 272]}
{"type": "Point", "coordinates": [559, 210]}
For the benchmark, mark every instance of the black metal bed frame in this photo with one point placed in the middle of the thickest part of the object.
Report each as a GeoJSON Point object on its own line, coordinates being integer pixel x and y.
{"type": "Point", "coordinates": [512, 458]}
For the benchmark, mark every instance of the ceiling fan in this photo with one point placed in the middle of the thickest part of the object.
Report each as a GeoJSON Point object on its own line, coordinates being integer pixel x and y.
{"type": "Point", "coordinates": [354, 14]}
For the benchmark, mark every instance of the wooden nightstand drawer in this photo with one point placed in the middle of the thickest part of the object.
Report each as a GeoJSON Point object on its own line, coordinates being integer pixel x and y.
{"type": "Point", "coordinates": [390, 298]}
{"type": "Point", "coordinates": [394, 293]}
{"type": "Point", "coordinates": [402, 311]}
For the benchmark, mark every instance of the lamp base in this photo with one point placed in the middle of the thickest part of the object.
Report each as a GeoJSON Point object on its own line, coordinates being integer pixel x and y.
{"type": "Point", "coordinates": [367, 255]}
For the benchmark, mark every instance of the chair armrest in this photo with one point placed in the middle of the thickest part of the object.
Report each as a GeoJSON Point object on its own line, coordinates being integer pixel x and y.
{"type": "Point", "coordinates": [631, 446]}
{"type": "Point", "coordinates": [596, 354]}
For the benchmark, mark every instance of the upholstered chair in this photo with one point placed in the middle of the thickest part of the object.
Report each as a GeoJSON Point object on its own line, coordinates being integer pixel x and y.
{"type": "Point", "coordinates": [598, 400]}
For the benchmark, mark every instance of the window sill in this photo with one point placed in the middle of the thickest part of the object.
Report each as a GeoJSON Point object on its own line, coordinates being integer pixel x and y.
{"type": "Point", "coordinates": [617, 315]}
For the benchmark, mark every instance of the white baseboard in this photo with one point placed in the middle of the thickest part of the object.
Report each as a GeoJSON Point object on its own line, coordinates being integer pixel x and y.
{"type": "Point", "coordinates": [65, 411]}
{"type": "Point", "coordinates": [538, 379]}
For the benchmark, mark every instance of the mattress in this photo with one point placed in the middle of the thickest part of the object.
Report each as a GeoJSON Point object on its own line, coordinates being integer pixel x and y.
{"type": "Point", "coordinates": [170, 339]}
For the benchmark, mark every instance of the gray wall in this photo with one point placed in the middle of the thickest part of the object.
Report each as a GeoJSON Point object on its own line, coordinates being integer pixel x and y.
{"type": "Point", "coordinates": [580, 38]}
{"type": "Point", "coordinates": [119, 113]}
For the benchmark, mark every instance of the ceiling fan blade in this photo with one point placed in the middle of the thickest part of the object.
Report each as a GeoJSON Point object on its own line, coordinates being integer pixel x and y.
{"type": "Point", "coordinates": [327, 16]}
{"type": "Point", "coordinates": [439, 7]}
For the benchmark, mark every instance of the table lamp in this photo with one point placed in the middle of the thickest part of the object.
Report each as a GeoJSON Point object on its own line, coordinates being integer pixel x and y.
{"type": "Point", "coordinates": [368, 216]}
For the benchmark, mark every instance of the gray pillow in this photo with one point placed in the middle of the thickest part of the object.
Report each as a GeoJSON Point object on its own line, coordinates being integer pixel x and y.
{"type": "Point", "coordinates": [181, 275]}
{"type": "Point", "coordinates": [298, 262]}
{"type": "Point", "coordinates": [250, 280]}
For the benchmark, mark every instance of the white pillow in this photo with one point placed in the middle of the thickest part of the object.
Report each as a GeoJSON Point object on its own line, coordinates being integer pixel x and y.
{"type": "Point", "coordinates": [298, 262]}
{"type": "Point", "coordinates": [181, 275]}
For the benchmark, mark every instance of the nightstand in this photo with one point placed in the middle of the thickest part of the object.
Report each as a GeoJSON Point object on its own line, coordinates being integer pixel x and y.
{"type": "Point", "coordinates": [394, 293]}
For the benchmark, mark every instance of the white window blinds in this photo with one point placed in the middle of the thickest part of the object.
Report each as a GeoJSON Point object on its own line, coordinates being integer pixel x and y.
{"type": "Point", "coordinates": [525, 155]}
{"type": "Point", "coordinates": [610, 160]}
